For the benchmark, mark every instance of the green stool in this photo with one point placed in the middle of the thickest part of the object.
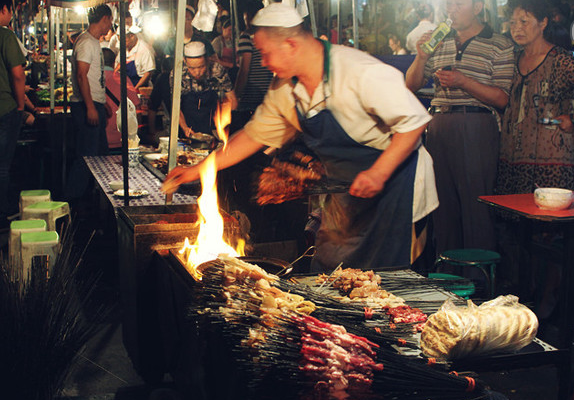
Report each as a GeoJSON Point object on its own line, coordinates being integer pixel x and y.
{"type": "Point", "coordinates": [485, 260]}
{"type": "Point", "coordinates": [29, 197]}
{"type": "Point", "coordinates": [49, 211]}
{"type": "Point", "coordinates": [463, 287]}
{"type": "Point", "coordinates": [16, 229]}
{"type": "Point", "coordinates": [38, 244]}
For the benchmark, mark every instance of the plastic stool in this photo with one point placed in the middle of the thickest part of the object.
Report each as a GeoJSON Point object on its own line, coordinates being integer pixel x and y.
{"type": "Point", "coordinates": [29, 197]}
{"type": "Point", "coordinates": [49, 211]}
{"type": "Point", "coordinates": [463, 289]}
{"type": "Point", "coordinates": [38, 244]}
{"type": "Point", "coordinates": [16, 229]}
{"type": "Point", "coordinates": [485, 260]}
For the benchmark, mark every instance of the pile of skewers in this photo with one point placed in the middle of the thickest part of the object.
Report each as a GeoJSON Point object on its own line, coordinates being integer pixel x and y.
{"type": "Point", "coordinates": [286, 353]}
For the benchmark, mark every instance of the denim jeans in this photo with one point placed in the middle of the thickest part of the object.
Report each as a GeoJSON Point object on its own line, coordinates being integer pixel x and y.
{"type": "Point", "coordinates": [10, 125]}
{"type": "Point", "coordinates": [90, 141]}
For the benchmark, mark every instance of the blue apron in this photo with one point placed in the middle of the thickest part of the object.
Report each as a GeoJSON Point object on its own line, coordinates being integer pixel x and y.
{"type": "Point", "coordinates": [362, 233]}
{"type": "Point", "coordinates": [132, 73]}
{"type": "Point", "coordinates": [198, 109]}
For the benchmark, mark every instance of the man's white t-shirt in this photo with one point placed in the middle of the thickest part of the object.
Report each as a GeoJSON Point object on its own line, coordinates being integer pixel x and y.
{"type": "Point", "coordinates": [87, 49]}
{"type": "Point", "coordinates": [142, 55]}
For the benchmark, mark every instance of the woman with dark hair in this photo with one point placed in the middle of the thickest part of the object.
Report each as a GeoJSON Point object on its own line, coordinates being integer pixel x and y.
{"type": "Point", "coordinates": [537, 143]}
{"type": "Point", "coordinates": [396, 45]}
{"type": "Point", "coordinates": [223, 44]}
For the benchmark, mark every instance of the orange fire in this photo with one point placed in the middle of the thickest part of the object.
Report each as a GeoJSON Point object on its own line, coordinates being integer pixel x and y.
{"type": "Point", "coordinates": [210, 241]}
{"type": "Point", "coordinates": [222, 119]}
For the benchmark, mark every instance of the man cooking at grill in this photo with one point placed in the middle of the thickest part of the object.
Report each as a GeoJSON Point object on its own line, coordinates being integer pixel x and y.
{"type": "Point", "coordinates": [357, 115]}
{"type": "Point", "coordinates": [140, 61]}
{"type": "Point", "coordinates": [203, 83]}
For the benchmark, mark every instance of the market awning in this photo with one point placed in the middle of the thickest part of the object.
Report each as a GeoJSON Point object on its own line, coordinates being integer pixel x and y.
{"type": "Point", "coordinates": [75, 3]}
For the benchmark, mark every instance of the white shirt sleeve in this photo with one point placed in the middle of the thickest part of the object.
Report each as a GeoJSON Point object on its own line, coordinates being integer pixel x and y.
{"type": "Point", "coordinates": [145, 61]}
{"type": "Point", "coordinates": [275, 120]}
{"type": "Point", "coordinates": [383, 93]}
{"type": "Point", "coordinates": [115, 44]}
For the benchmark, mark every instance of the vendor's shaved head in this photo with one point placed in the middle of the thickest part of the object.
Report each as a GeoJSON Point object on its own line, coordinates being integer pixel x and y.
{"type": "Point", "coordinates": [284, 33]}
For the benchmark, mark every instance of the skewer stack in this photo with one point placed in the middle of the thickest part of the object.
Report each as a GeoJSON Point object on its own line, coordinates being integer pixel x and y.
{"type": "Point", "coordinates": [284, 354]}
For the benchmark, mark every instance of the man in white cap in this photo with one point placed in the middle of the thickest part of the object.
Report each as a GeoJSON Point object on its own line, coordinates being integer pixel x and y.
{"type": "Point", "coordinates": [114, 44]}
{"type": "Point", "coordinates": [363, 123]}
{"type": "Point", "coordinates": [140, 61]}
{"type": "Point", "coordinates": [203, 84]}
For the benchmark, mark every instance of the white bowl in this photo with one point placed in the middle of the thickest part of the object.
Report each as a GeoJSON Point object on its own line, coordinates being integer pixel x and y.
{"type": "Point", "coordinates": [116, 185]}
{"type": "Point", "coordinates": [553, 198]}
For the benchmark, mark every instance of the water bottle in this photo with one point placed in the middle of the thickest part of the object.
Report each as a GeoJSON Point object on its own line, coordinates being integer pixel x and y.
{"type": "Point", "coordinates": [437, 36]}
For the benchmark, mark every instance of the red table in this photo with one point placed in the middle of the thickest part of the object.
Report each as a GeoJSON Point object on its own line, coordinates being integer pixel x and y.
{"type": "Point", "coordinates": [523, 206]}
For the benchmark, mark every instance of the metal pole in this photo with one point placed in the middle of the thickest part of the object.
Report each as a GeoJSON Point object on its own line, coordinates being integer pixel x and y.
{"type": "Point", "coordinates": [494, 22]}
{"type": "Point", "coordinates": [51, 63]}
{"type": "Point", "coordinates": [311, 7]}
{"type": "Point", "coordinates": [376, 26]}
{"type": "Point", "coordinates": [338, 21]}
{"type": "Point", "coordinates": [65, 110]}
{"type": "Point", "coordinates": [57, 40]}
{"type": "Point", "coordinates": [355, 25]}
{"type": "Point", "coordinates": [177, 74]}
{"type": "Point", "coordinates": [235, 29]}
{"type": "Point", "coordinates": [42, 5]}
{"type": "Point", "coordinates": [124, 100]}
{"type": "Point", "coordinates": [329, 19]}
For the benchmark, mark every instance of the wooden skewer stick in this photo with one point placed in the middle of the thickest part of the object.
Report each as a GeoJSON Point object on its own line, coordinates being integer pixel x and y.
{"type": "Point", "coordinates": [329, 277]}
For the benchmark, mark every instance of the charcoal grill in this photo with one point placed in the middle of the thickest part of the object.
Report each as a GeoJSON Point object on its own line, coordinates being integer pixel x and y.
{"type": "Point", "coordinates": [193, 351]}
{"type": "Point", "coordinates": [143, 232]}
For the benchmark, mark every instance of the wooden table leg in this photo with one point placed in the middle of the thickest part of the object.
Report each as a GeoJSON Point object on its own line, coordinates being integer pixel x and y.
{"type": "Point", "coordinates": [525, 261]}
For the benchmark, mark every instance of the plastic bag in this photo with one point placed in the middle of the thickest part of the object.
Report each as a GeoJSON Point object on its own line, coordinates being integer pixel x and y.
{"type": "Point", "coordinates": [205, 17]}
{"type": "Point", "coordinates": [133, 139]}
{"type": "Point", "coordinates": [501, 324]}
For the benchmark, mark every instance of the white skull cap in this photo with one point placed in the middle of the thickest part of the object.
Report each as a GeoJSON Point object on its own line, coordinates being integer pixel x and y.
{"type": "Point", "coordinates": [194, 49]}
{"type": "Point", "coordinates": [277, 15]}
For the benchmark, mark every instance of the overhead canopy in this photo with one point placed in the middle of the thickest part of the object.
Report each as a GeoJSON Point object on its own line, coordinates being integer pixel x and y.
{"type": "Point", "coordinates": [76, 3]}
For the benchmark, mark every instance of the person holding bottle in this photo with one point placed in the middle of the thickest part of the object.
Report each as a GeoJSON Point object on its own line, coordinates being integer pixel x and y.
{"type": "Point", "coordinates": [472, 69]}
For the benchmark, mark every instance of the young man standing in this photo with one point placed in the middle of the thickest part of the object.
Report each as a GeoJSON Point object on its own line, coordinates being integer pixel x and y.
{"type": "Point", "coordinates": [88, 103]}
{"type": "Point", "coordinates": [12, 82]}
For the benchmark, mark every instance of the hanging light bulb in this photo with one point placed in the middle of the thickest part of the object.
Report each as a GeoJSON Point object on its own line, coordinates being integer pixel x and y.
{"type": "Point", "coordinates": [156, 26]}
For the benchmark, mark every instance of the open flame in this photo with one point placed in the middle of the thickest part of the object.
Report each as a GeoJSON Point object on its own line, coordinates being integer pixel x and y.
{"type": "Point", "coordinates": [222, 120]}
{"type": "Point", "coordinates": [210, 240]}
